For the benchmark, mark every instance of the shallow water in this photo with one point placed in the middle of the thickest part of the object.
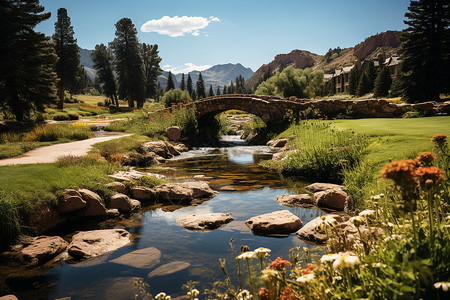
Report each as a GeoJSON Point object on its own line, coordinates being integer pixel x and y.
{"type": "Point", "coordinates": [255, 191]}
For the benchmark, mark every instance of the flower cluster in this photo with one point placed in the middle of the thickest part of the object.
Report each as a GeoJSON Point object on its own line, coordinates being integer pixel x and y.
{"type": "Point", "coordinates": [401, 172]}
{"type": "Point", "coordinates": [325, 221]}
{"type": "Point", "coordinates": [426, 158]}
{"type": "Point", "coordinates": [341, 261]}
{"type": "Point", "coordinates": [162, 296]}
{"type": "Point", "coordinates": [279, 264]}
{"type": "Point", "coordinates": [439, 138]}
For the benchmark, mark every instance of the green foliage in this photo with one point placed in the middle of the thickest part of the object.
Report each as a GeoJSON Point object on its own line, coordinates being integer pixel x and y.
{"type": "Point", "coordinates": [27, 77]}
{"type": "Point", "coordinates": [382, 83]}
{"type": "Point", "coordinates": [424, 52]}
{"type": "Point", "coordinates": [152, 70]}
{"type": "Point", "coordinates": [175, 96]}
{"type": "Point", "coordinates": [102, 58]}
{"type": "Point", "coordinates": [170, 84]}
{"type": "Point", "coordinates": [189, 85]}
{"type": "Point", "coordinates": [323, 152]}
{"type": "Point", "coordinates": [363, 85]}
{"type": "Point", "coordinates": [128, 63]}
{"type": "Point", "coordinates": [201, 92]}
{"type": "Point", "coordinates": [68, 55]}
{"type": "Point", "coordinates": [182, 83]}
{"type": "Point", "coordinates": [293, 82]}
{"type": "Point", "coordinates": [353, 79]}
{"type": "Point", "coordinates": [210, 91]}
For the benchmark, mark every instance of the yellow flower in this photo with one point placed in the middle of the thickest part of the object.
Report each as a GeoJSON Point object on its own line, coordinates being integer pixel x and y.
{"type": "Point", "coordinates": [329, 257]}
{"type": "Point", "coordinates": [346, 261]}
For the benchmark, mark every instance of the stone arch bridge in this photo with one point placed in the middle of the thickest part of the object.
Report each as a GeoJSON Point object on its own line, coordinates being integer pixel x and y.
{"type": "Point", "coordinates": [272, 109]}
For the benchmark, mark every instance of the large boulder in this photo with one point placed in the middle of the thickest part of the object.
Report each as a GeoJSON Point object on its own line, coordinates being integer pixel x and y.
{"type": "Point", "coordinates": [44, 248]}
{"type": "Point", "coordinates": [123, 203]}
{"type": "Point", "coordinates": [94, 204]}
{"type": "Point", "coordinates": [205, 222]}
{"type": "Point", "coordinates": [309, 232]}
{"type": "Point", "coordinates": [142, 259]}
{"type": "Point", "coordinates": [174, 192]}
{"type": "Point", "coordinates": [173, 133]}
{"type": "Point", "coordinates": [282, 221]}
{"type": "Point", "coordinates": [334, 199]}
{"type": "Point", "coordinates": [118, 187]}
{"type": "Point", "coordinates": [45, 217]}
{"type": "Point", "coordinates": [170, 268]}
{"type": "Point", "coordinates": [70, 204]}
{"type": "Point", "coordinates": [200, 189]}
{"type": "Point", "coordinates": [93, 243]}
{"type": "Point", "coordinates": [277, 143]}
{"type": "Point", "coordinates": [142, 193]}
{"type": "Point", "coordinates": [320, 186]}
{"type": "Point", "coordinates": [180, 147]}
{"type": "Point", "coordinates": [295, 200]}
{"type": "Point", "coordinates": [159, 148]}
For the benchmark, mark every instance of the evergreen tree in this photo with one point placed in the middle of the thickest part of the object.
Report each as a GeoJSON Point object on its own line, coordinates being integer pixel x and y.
{"type": "Point", "coordinates": [240, 84]}
{"type": "Point", "coordinates": [382, 83]}
{"type": "Point", "coordinates": [189, 84]}
{"type": "Point", "coordinates": [159, 91]}
{"type": "Point", "coordinates": [363, 85]}
{"type": "Point", "coordinates": [397, 84]}
{"type": "Point", "coordinates": [102, 58]}
{"type": "Point", "coordinates": [27, 59]}
{"type": "Point", "coordinates": [353, 79]}
{"type": "Point", "coordinates": [128, 63]}
{"type": "Point", "coordinates": [182, 84]}
{"type": "Point", "coordinates": [425, 50]}
{"type": "Point", "coordinates": [211, 91]}
{"type": "Point", "coordinates": [81, 82]}
{"type": "Point", "coordinates": [201, 93]}
{"type": "Point", "coordinates": [150, 61]}
{"type": "Point", "coordinates": [218, 90]}
{"type": "Point", "coordinates": [225, 90]}
{"type": "Point", "coordinates": [231, 88]}
{"type": "Point", "coordinates": [194, 95]}
{"type": "Point", "coordinates": [371, 75]}
{"type": "Point", "coordinates": [170, 84]}
{"type": "Point", "coordinates": [67, 50]}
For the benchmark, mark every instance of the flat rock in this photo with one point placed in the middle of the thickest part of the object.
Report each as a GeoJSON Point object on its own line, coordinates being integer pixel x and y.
{"type": "Point", "coordinates": [174, 192]}
{"type": "Point", "coordinates": [142, 193]}
{"type": "Point", "coordinates": [118, 187]}
{"type": "Point", "coordinates": [319, 186]}
{"type": "Point", "coordinates": [70, 204]}
{"type": "Point", "coordinates": [133, 175]}
{"type": "Point", "coordinates": [170, 268]}
{"type": "Point", "coordinates": [282, 221]}
{"type": "Point", "coordinates": [142, 259]}
{"type": "Point", "coordinates": [334, 199]}
{"type": "Point", "coordinates": [200, 189]}
{"type": "Point", "coordinates": [121, 202]}
{"type": "Point", "coordinates": [44, 248]}
{"type": "Point", "coordinates": [205, 222]}
{"type": "Point", "coordinates": [94, 204]}
{"type": "Point", "coordinates": [157, 147]}
{"type": "Point", "coordinates": [309, 233]}
{"type": "Point", "coordinates": [295, 200]}
{"type": "Point", "coordinates": [93, 243]}
{"type": "Point", "coordinates": [277, 143]}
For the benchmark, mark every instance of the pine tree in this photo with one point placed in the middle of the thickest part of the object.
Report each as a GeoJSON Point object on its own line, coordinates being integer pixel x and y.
{"type": "Point", "coordinates": [102, 58]}
{"type": "Point", "coordinates": [363, 85]}
{"type": "Point", "coordinates": [211, 91]}
{"type": "Point", "coordinates": [67, 50]}
{"type": "Point", "coordinates": [371, 75]}
{"type": "Point", "coordinates": [182, 84]}
{"type": "Point", "coordinates": [194, 95]}
{"type": "Point", "coordinates": [150, 61]}
{"type": "Point", "coordinates": [128, 63]}
{"type": "Point", "coordinates": [225, 90]}
{"type": "Point", "coordinates": [218, 90]}
{"type": "Point", "coordinates": [353, 79]}
{"type": "Point", "coordinates": [170, 84]}
{"type": "Point", "coordinates": [382, 83]}
{"type": "Point", "coordinates": [81, 82]}
{"type": "Point", "coordinates": [201, 93]}
{"type": "Point", "coordinates": [189, 84]}
{"type": "Point", "coordinates": [231, 88]}
{"type": "Point", "coordinates": [27, 59]}
{"type": "Point", "coordinates": [425, 50]}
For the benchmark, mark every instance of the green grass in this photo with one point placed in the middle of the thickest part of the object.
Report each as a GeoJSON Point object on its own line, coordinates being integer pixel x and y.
{"type": "Point", "coordinates": [120, 146]}
{"type": "Point", "coordinates": [25, 186]}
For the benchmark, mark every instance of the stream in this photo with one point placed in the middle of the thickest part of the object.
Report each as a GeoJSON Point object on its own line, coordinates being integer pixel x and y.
{"type": "Point", "coordinates": [245, 189]}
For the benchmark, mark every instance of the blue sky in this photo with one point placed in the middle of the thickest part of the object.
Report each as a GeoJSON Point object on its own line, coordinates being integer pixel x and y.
{"type": "Point", "coordinates": [250, 32]}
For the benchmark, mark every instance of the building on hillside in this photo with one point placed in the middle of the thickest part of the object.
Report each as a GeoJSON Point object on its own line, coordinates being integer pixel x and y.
{"type": "Point", "coordinates": [341, 77]}
{"type": "Point", "coordinates": [392, 63]}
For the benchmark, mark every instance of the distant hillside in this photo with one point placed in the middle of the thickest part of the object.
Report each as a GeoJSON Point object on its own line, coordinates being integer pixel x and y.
{"type": "Point", "coordinates": [300, 59]}
{"type": "Point", "coordinates": [162, 79]}
{"type": "Point", "coordinates": [384, 44]}
{"type": "Point", "coordinates": [86, 61]}
{"type": "Point", "coordinates": [218, 75]}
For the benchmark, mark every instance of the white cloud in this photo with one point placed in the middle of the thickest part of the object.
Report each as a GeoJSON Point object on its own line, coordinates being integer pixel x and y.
{"type": "Point", "coordinates": [186, 68]}
{"type": "Point", "coordinates": [178, 26]}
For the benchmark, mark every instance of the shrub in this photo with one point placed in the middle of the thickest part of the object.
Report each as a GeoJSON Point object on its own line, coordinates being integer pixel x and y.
{"type": "Point", "coordinates": [175, 96]}
{"type": "Point", "coordinates": [61, 117]}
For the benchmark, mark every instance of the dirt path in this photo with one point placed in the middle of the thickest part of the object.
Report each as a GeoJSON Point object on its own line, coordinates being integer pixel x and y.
{"type": "Point", "coordinates": [49, 154]}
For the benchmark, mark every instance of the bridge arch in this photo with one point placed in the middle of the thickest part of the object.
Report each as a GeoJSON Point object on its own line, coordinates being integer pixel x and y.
{"type": "Point", "coordinates": [271, 109]}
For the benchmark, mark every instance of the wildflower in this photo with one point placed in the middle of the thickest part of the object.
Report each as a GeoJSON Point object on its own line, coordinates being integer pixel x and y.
{"type": "Point", "coordinates": [268, 275]}
{"type": "Point", "coordinates": [329, 257]}
{"type": "Point", "coordinates": [439, 138]}
{"type": "Point", "coordinates": [288, 294]}
{"type": "Point", "coordinates": [161, 296]}
{"type": "Point", "coordinates": [262, 252]}
{"type": "Point", "coordinates": [426, 158]}
{"type": "Point", "coordinates": [401, 171]}
{"type": "Point", "coordinates": [429, 173]}
{"type": "Point", "coordinates": [347, 148]}
{"type": "Point", "coordinates": [357, 221]}
{"type": "Point", "coordinates": [279, 264]}
{"type": "Point", "coordinates": [152, 118]}
{"type": "Point", "coordinates": [263, 294]}
{"type": "Point", "coordinates": [346, 261]}
{"type": "Point", "coordinates": [247, 255]}
{"type": "Point", "coordinates": [244, 295]}
{"type": "Point", "coordinates": [193, 294]}
{"type": "Point", "coordinates": [444, 285]}
{"type": "Point", "coordinates": [324, 223]}
{"type": "Point", "coordinates": [305, 278]}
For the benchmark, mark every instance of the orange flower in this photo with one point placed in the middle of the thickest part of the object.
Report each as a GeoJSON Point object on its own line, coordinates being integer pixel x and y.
{"type": "Point", "coordinates": [288, 294]}
{"type": "Point", "coordinates": [279, 264]}
{"type": "Point", "coordinates": [263, 294]}
{"type": "Point", "coordinates": [152, 118]}
{"type": "Point", "coordinates": [426, 158]}
{"type": "Point", "coordinates": [431, 175]}
{"type": "Point", "coordinates": [439, 138]}
{"type": "Point", "coordinates": [401, 171]}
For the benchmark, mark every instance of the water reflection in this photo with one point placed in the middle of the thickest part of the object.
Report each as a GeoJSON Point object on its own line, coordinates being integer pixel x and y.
{"type": "Point", "coordinates": [252, 192]}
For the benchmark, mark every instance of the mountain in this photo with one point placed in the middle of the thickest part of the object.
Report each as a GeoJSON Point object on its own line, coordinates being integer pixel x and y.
{"type": "Point", "coordinates": [86, 61]}
{"type": "Point", "coordinates": [384, 44]}
{"type": "Point", "coordinates": [218, 75]}
{"type": "Point", "coordinates": [300, 59]}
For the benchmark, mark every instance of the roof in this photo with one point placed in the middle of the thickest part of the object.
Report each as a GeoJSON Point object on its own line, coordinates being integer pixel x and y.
{"type": "Point", "coordinates": [392, 61]}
